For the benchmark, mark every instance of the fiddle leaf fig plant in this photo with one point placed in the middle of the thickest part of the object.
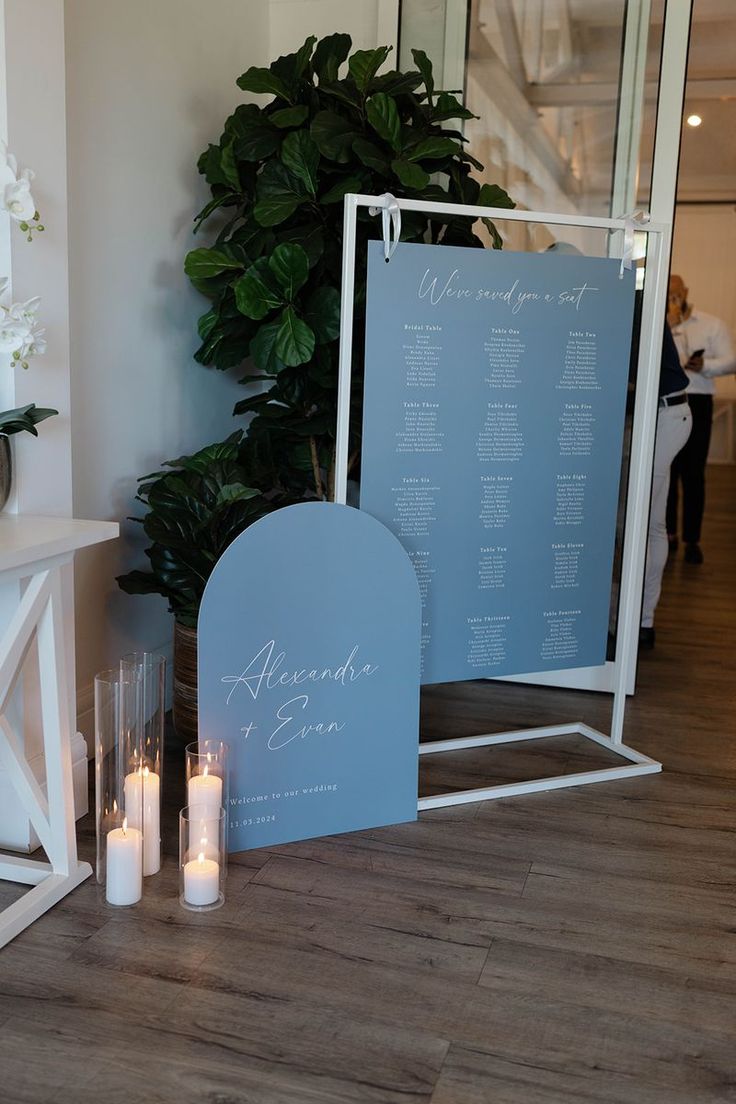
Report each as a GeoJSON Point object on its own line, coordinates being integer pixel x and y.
{"type": "Point", "coordinates": [196, 507]}
{"type": "Point", "coordinates": [278, 175]}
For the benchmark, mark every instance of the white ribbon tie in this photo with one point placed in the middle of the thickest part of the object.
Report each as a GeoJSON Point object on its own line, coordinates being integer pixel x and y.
{"type": "Point", "coordinates": [391, 218]}
{"type": "Point", "coordinates": [633, 222]}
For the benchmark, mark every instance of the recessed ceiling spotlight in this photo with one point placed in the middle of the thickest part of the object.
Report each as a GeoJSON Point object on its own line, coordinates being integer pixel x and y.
{"type": "Point", "coordinates": [694, 120]}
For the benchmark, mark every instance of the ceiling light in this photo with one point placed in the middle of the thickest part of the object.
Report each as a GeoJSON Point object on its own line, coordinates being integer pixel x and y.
{"type": "Point", "coordinates": [694, 120]}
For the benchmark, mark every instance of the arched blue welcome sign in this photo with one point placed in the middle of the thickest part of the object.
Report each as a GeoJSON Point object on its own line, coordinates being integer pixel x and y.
{"type": "Point", "coordinates": [309, 646]}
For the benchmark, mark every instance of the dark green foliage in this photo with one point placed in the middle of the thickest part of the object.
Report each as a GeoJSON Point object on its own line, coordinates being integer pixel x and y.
{"type": "Point", "coordinates": [24, 419]}
{"type": "Point", "coordinates": [196, 508]}
{"type": "Point", "coordinates": [278, 175]}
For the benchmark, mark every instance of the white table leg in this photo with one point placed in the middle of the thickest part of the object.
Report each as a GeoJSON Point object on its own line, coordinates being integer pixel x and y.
{"type": "Point", "coordinates": [40, 609]}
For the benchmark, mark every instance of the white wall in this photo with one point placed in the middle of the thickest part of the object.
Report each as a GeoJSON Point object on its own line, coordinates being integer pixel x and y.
{"type": "Point", "coordinates": [369, 23]}
{"type": "Point", "coordinates": [36, 135]}
{"type": "Point", "coordinates": [148, 85]}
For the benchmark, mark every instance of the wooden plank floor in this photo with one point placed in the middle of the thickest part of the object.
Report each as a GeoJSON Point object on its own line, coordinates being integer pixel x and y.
{"type": "Point", "coordinates": [552, 949]}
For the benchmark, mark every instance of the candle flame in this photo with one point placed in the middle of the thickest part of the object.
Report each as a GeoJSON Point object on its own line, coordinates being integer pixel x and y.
{"type": "Point", "coordinates": [209, 756]}
{"type": "Point", "coordinates": [145, 772]}
{"type": "Point", "coordinates": [200, 857]}
{"type": "Point", "coordinates": [206, 770]}
{"type": "Point", "coordinates": [125, 825]}
{"type": "Point", "coordinates": [114, 805]}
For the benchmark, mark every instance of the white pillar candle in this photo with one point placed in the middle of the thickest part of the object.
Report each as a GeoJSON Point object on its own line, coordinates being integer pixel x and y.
{"type": "Point", "coordinates": [143, 796]}
{"type": "Point", "coordinates": [124, 873]}
{"type": "Point", "coordinates": [205, 789]}
{"type": "Point", "coordinates": [201, 881]}
{"type": "Point", "coordinates": [205, 792]}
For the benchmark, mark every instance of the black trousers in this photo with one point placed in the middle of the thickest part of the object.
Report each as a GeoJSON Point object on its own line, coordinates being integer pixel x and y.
{"type": "Point", "coordinates": [688, 469]}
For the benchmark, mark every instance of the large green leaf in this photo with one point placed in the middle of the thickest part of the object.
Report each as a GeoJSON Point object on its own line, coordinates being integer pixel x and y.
{"type": "Point", "coordinates": [229, 166]}
{"type": "Point", "coordinates": [253, 240]}
{"type": "Point", "coordinates": [291, 67]}
{"type": "Point", "coordinates": [492, 229]}
{"type": "Point", "coordinates": [256, 292]}
{"type": "Point", "coordinates": [278, 194]}
{"type": "Point", "coordinates": [410, 175]}
{"type": "Point", "coordinates": [448, 107]}
{"type": "Point", "coordinates": [202, 264]}
{"type": "Point", "coordinates": [210, 166]}
{"type": "Point", "coordinates": [383, 116]}
{"type": "Point", "coordinates": [253, 136]}
{"type": "Point", "coordinates": [301, 157]}
{"type": "Point", "coordinates": [340, 190]}
{"type": "Point", "coordinates": [424, 65]}
{"type": "Point", "coordinates": [345, 91]}
{"type": "Point", "coordinates": [465, 156]}
{"type": "Point", "coordinates": [24, 419]}
{"type": "Point", "coordinates": [207, 323]}
{"type": "Point", "coordinates": [323, 313]}
{"type": "Point", "coordinates": [370, 155]}
{"type": "Point", "coordinates": [289, 116]}
{"type": "Point", "coordinates": [235, 492]}
{"type": "Point", "coordinates": [259, 143]}
{"type": "Point", "coordinates": [218, 201]}
{"type": "Point", "coordinates": [396, 83]}
{"type": "Point", "coordinates": [295, 340]}
{"type": "Point", "coordinates": [261, 80]}
{"type": "Point", "coordinates": [331, 52]}
{"type": "Point", "coordinates": [290, 266]}
{"type": "Point", "coordinates": [491, 195]}
{"type": "Point", "coordinates": [364, 64]}
{"type": "Point", "coordinates": [263, 349]}
{"type": "Point", "coordinates": [432, 148]}
{"type": "Point", "coordinates": [309, 236]}
{"type": "Point", "coordinates": [139, 582]}
{"type": "Point", "coordinates": [333, 135]}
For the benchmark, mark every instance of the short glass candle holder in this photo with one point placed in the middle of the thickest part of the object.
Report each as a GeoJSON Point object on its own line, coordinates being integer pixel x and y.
{"type": "Point", "coordinates": [145, 770]}
{"type": "Point", "coordinates": [202, 858]}
{"type": "Point", "coordinates": [207, 775]}
{"type": "Point", "coordinates": [118, 805]}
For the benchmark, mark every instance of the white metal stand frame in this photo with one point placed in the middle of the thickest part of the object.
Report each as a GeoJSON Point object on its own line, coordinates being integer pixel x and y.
{"type": "Point", "coordinates": [637, 508]}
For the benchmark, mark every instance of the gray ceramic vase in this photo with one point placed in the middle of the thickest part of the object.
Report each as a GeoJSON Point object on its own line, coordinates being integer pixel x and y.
{"type": "Point", "coordinates": [6, 469]}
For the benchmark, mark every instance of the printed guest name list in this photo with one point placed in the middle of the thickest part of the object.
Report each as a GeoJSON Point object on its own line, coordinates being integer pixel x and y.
{"type": "Point", "coordinates": [495, 389]}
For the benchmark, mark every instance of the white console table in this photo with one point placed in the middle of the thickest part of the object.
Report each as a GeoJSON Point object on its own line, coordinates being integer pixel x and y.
{"type": "Point", "coordinates": [33, 552]}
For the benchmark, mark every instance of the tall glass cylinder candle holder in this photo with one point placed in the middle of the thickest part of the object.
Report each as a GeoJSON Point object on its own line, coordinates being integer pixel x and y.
{"type": "Point", "coordinates": [202, 858]}
{"type": "Point", "coordinates": [207, 776]}
{"type": "Point", "coordinates": [118, 807]}
{"type": "Point", "coordinates": [145, 773]}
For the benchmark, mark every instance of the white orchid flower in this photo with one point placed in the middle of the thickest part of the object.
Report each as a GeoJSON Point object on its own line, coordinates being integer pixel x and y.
{"type": "Point", "coordinates": [21, 335]}
{"type": "Point", "coordinates": [15, 193]}
{"type": "Point", "coordinates": [8, 164]}
{"type": "Point", "coordinates": [18, 201]}
{"type": "Point", "coordinates": [35, 345]}
{"type": "Point", "coordinates": [25, 313]}
{"type": "Point", "coordinates": [13, 335]}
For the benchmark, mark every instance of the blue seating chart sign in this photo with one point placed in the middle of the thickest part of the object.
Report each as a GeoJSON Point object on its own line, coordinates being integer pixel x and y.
{"type": "Point", "coordinates": [309, 646]}
{"type": "Point", "coordinates": [495, 391]}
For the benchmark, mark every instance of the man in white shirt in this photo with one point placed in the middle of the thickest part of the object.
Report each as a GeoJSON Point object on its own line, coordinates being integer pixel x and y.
{"type": "Point", "coordinates": [706, 351]}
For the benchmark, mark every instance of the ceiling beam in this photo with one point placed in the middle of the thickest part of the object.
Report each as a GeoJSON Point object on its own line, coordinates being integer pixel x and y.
{"type": "Point", "coordinates": [511, 42]}
{"type": "Point", "coordinates": [497, 83]}
{"type": "Point", "coordinates": [591, 93]}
